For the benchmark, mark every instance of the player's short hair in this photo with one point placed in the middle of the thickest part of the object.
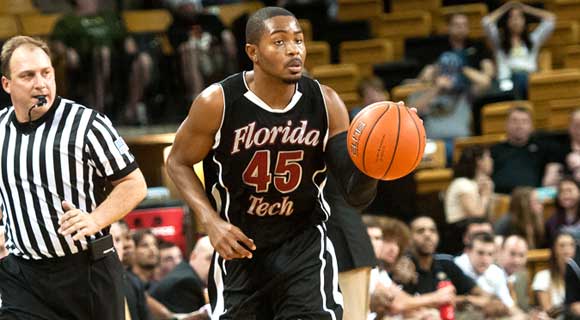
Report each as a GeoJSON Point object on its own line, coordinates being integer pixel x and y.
{"type": "Point", "coordinates": [12, 44]}
{"type": "Point", "coordinates": [255, 25]}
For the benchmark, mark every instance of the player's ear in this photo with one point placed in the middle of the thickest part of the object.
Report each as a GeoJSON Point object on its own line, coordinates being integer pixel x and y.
{"type": "Point", "coordinates": [252, 52]}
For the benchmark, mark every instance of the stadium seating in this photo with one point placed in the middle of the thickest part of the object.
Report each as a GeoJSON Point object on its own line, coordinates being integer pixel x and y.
{"type": "Point", "coordinates": [434, 156]}
{"type": "Point", "coordinates": [398, 26]}
{"type": "Point", "coordinates": [560, 111]}
{"type": "Point", "coordinates": [8, 26]}
{"type": "Point", "coordinates": [410, 5]}
{"type": "Point", "coordinates": [306, 29]}
{"type": "Point", "coordinates": [433, 180]}
{"type": "Point", "coordinates": [546, 86]}
{"type": "Point", "coordinates": [318, 53]}
{"type": "Point", "coordinates": [566, 33]}
{"type": "Point", "coordinates": [402, 92]}
{"type": "Point", "coordinates": [17, 7]}
{"type": "Point", "coordinates": [230, 12]}
{"type": "Point", "coordinates": [366, 53]}
{"type": "Point", "coordinates": [351, 10]}
{"type": "Point", "coordinates": [38, 25]}
{"type": "Point", "coordinates": [572, 57]}
{"type": "Point", "coordinates": [475, 12]}
{"type": "Point", "coordinates": [484, 141]}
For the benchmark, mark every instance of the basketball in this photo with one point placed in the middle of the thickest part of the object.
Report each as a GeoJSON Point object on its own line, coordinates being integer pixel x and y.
{"type": "Point", "coordinates": [386, 140]}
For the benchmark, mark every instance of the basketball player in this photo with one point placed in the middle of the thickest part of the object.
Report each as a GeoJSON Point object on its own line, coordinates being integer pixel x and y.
{"type": "Point", "coordinates": [266, 138]}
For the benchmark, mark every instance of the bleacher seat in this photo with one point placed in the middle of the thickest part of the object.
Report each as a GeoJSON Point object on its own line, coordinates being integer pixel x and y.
{"type": "Point", "coordinates": [366, 53]}
{"type": "Point", "coordinates": [565, 34]}
{"type": "Point", "coordinates": [318, 53]}
{"type": "Point", "coordinates": [140, 21]}
{"type": "Point", "coordinates": [398, 26]}
{"type": "Point", "coordinates": [474, 12]}
{"type": "Point", "coordinates": [402, 92]}
{"type": "Point", "coordinates": [17, 7]}
{"type": "Point", "coordinates": [433, 180]}
{"type": "Point", "coordinates": [484, 141]}
{"type": "Point", "coordinates": [494, 115]}
{"type": "Point", "coordinates": [306, 28]}
{"type": "Point", "coordinates": [351, 10]}
{"type": "Point", "coordinates": [547, 86]}
{"type": "Point", "coordinates": [500, 205]}
{"type": "Point", "coordinates": [564, 9]}
{"type": "Point", "coordinates": [341, 77]}
{"type": "Point", "coordinates": [572, 57]}
{"type": "Point", "coordinates": [38, 25]}
{"type": "Point", "coordinates": [410, 5]}
{"type": "Point", "coordinates": [230, 12]}
{"type": "Point", "coordinates": [8, 26]}
{"type": "Point", "coordinates": [434, 156]}
{"type": "Point", "coordinates": [560, 111]}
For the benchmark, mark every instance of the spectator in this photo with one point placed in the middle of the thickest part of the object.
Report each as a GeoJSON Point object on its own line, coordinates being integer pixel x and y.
{"type": "Point", "coordinates": [520, 160]}
{"type": "Point", "coordinates": [549, 285]}
{"type": "Point", "coordinates": [128, 257]}
{"type": "Point", "coordinates": [573, 288]}
{"type": "Point", "coordinates": [567, 155]}
{"type": "Point", "coordinates": [512, 259]}
{"type": "Point", "coordinates": [205, 49]}
{"type": "Point", "coordinates": [478, 69]}
{"type": "Point", "coordinates": [446, 103]}
{"type": "Point", "coordinates": [516, 51]}
{"type": "Point", "coordinates": [525, 218]}
{"type": "Point", "coordinates": [477, 263]}
{"type": "Point", "coordinates": [470, 192]}
{"type": "Point", "coordinates": [431, 268]}
{"type": "Point", "coordinates": [182, 290]}
{"type": "Point", "coordinates": [146, 256]}
{"type": "Point", "coordinates": [459, 236]}
{"type": "Point", "coordinates": [88, 38]}
{"type": "Point", "coordinates": [169, 257]}
{"type": "Point", "coordinates": [134, 290]}
{"type": "Point", "coordinates": [567, 209]}
{"type": "Point", "coordinates": [475, 225]}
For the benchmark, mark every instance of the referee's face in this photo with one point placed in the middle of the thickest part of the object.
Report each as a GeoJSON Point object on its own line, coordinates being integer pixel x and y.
{"type": "Point", "coordinates": [31, 75]}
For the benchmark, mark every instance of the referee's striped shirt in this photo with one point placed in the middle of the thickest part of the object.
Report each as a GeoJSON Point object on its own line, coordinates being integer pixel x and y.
{"type": "Point", "coordinates": [67, 154]}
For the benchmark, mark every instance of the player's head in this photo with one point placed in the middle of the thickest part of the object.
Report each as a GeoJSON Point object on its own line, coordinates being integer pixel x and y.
{"type": "Point", "coordinates": [27, 71]}
{"type": "Point", "coordinates": [275, 44]}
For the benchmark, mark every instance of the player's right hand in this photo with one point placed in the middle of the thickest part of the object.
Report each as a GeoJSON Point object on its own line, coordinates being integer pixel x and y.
{"type": "Point", "coordinates": [228, 240]}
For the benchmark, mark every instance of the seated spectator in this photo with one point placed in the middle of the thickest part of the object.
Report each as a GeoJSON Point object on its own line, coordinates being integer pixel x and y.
{"type": "Point", "coordinates": [567, 213]}
{"type": "Point", "coordinates": [478, 69]}
{"type": "Point", "coordinates": [89, 38]}
{"type": "Point", "coordinates": [549, 285]}
{"type": "Point", "coordinates": [477, 263]}
{"type": "Point", "coordinates": [566, 155]}
{"type": "Point", "coordinates": [169, 257]}
{"type": "Point", "coordinates": [516, 52]}
{"type": "Point", "coordinates": [128, 256]}
{"type": "Point", "coordinates": [386, 297]}
{"type": "Point", "coordinates": [573, 288]}
{"type": "Point", "coordinates": [205, 49]}
{"type": "Point", "coordinates": [470, 192]}
{"type": "Point", "coordinates": [445, 105]}
{"type": "Point", "coordinates": [460, 235]}
{"type": "Point", "coordinates": [521, 159]}
{"type": "Point", "coordinates": [525, 218]}
{"type": "Point", "coordinates": [512, 258]}
{"type": "Point", "coordinates": [146, 257]}
{"type": "Point", "coordinates": [182, 290]}
{"type": "Point", "coordinates": [370, 90]}
{"type": "Point", "coordinates": [135, 294]}
{"type": "Point", "coordinates": [432, 268]}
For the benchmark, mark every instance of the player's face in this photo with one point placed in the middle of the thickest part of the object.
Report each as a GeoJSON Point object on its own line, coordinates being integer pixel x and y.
{"type": "Point", "coordinates": [281, 51]}
{"type": "Point", "coordinates": [481, 256]}
{"type": "Point", "coordinates": [424, 236]}
{"type": "Point", "coordinates": [31, 74]}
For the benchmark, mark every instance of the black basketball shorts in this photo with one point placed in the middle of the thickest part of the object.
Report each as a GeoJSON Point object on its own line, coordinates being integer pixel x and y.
{"type": "Point", "coordinates": [297, 280]}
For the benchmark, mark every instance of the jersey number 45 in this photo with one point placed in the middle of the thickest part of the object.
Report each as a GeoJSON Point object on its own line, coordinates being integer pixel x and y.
{"type": "Point", "coordinates": [287, 171]}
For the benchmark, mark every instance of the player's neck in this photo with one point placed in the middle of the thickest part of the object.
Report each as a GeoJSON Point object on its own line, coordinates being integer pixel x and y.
{"type": "Point", "coordinates": [276, 93]}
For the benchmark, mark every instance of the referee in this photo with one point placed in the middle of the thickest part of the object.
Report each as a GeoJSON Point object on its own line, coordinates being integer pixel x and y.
{"type": "Point", "coordinates": [56, 157]}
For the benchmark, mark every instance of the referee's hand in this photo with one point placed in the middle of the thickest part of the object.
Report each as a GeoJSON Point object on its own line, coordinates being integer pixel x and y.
{"type": "Point", "coordinates": [77, 222]}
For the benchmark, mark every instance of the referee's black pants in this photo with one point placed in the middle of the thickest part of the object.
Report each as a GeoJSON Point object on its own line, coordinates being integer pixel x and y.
{"type": "Point", "coordinates": [71, 287]}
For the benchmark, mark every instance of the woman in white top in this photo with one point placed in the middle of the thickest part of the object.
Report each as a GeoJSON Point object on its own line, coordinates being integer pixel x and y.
{"type": "Point", "coordinates": [470, 192]}
{"type": "Point", "coordinates": [516, 51]}
{"type": "Point", "coordinates": [549, 284]}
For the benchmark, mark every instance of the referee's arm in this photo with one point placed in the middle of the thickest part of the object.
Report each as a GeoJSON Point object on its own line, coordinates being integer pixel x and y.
{"type": "Point", "coordinates": [127, 193]}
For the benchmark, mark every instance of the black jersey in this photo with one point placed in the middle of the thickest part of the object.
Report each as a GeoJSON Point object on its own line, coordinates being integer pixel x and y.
{"type": "Point", "coordinates": [266, 170]}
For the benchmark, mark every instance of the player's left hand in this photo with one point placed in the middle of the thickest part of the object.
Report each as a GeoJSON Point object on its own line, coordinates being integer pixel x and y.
{"type": "Point", "coordinates": [77, 222]}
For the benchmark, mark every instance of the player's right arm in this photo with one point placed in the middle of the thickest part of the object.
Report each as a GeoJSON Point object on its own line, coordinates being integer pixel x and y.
{"type": "Point", "coordinates": [193, 141]}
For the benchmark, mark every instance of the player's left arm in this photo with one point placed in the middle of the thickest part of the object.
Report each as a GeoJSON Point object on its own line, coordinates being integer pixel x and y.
{"type": "Point", "coordinates": [127, 193]}
{"type": "Point", "coordinates": [358, 189]}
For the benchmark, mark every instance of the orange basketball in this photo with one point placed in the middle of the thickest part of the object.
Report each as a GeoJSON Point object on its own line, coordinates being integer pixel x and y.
{"type": "Point", "coordinates": [386, 141]}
